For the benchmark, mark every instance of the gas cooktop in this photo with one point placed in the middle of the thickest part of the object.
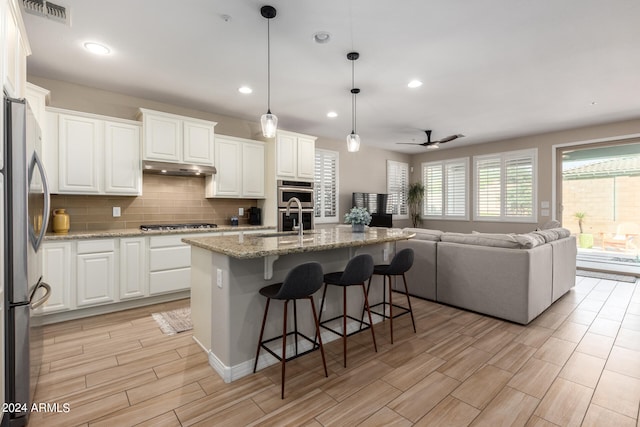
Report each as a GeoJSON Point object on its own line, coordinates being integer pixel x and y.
{"type": "Point", "coordinates": [169, 227]}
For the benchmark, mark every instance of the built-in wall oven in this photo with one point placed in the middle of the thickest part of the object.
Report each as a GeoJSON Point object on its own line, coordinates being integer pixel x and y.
{"type": "Point", "coordinates": [303, 191]}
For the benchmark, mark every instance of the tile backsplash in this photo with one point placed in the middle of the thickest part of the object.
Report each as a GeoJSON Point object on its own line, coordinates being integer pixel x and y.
{"type": "Point", "coordinates": [164, 200]}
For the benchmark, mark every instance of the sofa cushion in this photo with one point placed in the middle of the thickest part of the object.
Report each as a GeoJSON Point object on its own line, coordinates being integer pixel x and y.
{"type": "Point", "coordinates": [552, 223]}
{"type": "Point", "coordinates": [553, 234]}
{"type": "Point", "coordinates": [425, 234]}
{"type": "Point", "coordinates": [513, 241]}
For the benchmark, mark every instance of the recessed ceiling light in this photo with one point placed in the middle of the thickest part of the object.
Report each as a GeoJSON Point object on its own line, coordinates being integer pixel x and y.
{"type": "Point", "coordinates": [321, 37]}
{"type": "Point", "coordinates": [594, 103]}
{"type": "Point", "coordinates": [97, 48]}
{"type": "Point", "coordinates": [332, 114]}
{"type": "Point", "coordinates": [414, 84]}
{"type": "Point", "coordinates": [245, 89]}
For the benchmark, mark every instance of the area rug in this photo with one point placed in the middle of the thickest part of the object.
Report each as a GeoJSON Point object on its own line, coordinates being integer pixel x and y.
{"type": "Point", "coordinates": [174, 321]}
{"type": "Point", "coordinates": [608, 276]}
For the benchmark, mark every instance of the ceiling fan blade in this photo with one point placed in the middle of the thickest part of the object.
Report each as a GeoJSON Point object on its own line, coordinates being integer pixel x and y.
{"type": "Point", "coordinates": [412, 143]}
{"type": "Point", "coordinates": [450, 138]}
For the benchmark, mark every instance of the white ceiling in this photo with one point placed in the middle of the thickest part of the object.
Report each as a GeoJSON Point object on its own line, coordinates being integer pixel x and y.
{"type": "Point", "coordinates": [492, 69]}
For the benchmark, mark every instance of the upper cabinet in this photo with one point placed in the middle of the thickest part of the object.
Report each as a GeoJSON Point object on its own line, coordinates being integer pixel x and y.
{"type": "Point", "coordinates": [295, 156]}
{"type": "Point", "coordinates": [240, 169]}
{"type": "Point", "coordinates": [177, 139]}
{"type": "Point", "coordinates": [37, 98]}
{"type": "Point", "coordinates": [15, 49]}
{"type": "Point", "coordinates": [90, 154]}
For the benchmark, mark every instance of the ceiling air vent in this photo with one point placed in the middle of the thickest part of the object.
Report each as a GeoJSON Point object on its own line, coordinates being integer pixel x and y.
{"type": "Point", "coordinates": [48, 10]}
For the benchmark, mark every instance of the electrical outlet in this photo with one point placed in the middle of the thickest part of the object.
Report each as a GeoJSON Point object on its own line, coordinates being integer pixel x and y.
{"type": "Point", "coordinates": [116, 211]}
{"type": "Point", "coordinates": [240, 211]}
{"type": "Point", "coordinates": [219, 278]}
{"type": "Point", "coordinates": [385, 254]}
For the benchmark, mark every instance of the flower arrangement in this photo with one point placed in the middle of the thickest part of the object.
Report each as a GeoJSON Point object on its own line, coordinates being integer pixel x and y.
{"type": "Point", "coordinates": [358, 216]}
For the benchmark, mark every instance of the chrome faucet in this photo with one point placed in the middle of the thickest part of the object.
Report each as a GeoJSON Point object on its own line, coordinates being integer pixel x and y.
{"type": "Point", "coordinates": [300, 226]}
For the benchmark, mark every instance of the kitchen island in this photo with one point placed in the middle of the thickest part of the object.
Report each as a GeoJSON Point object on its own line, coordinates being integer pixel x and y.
{"type": "Point", "coordinates": [228, 271]}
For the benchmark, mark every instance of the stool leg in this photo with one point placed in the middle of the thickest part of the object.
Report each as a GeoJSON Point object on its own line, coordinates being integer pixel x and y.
{"type": "Point", "coordinates": [406, 292]}
{"type": "Point", "coordinates": [324, 294]}
{"type": "Point", "coordinates": [315, 319]}
{"type": "Point", "coordinates": [390, 306]}
{"type": "Point", "coordinates": [295, 324]}
{"type": "Point", "coordinates": [284, 346]}
{"type": "Point", "coordinates": [264, 321]}
{"type": "Point", "coordinates": [362, 317]}
{"type": "Point", "coordinates": [344, 324]}
{"type": "Point", "coordinates": [366, 304]}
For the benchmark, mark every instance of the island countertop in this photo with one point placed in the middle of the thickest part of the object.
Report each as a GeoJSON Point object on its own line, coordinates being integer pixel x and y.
{"type": "Point", "coordinates": [268, 244]}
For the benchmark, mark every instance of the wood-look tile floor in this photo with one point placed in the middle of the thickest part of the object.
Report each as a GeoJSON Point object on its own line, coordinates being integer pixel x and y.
{"type": "Point", "coordinates": [576, 364]}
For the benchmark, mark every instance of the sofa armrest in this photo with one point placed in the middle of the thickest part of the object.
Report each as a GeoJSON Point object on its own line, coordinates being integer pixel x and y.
{"type": "Point", "coordinates": [421, 278]}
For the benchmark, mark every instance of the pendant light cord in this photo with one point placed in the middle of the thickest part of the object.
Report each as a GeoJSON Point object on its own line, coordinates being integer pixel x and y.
{"type": "Point", "coordinates": [353, 98]}
{"type": "Point", "coordinates": [268, 67]}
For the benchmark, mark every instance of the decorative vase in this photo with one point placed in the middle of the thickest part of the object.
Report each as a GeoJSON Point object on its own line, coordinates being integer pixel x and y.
{"type": "Point", "coordinates": [357, 228]}
{"type": "Point", "coordinates": [585, 240]}
{"type": "Point", "coordinates": [60, 221]}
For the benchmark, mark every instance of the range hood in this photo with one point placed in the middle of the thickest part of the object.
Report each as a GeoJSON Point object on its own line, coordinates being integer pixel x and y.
{"type": "Point", "coordinates": [176, 169]}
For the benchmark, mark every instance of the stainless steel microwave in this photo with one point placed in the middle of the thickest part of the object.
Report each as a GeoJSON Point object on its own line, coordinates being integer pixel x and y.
{"type": "Point", "coordinates": [302, 190]}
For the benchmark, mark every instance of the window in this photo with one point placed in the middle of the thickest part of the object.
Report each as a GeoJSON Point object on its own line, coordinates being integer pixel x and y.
{"type": "Point", "coordinates": [397, 188]}
{"type": "Point", "coordinates": [505, 186]}
{"type": "Point", "coordinates": [446, 189]}
{"type": "Point", "coordinates": [326, 186]}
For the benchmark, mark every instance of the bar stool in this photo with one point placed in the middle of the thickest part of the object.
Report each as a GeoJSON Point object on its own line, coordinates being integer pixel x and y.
{"type": "Point", "coordinates": [357, 271]}
{"type": "Point", "coordinates": [300, 283]}
{"type": "Point", "coordinates": [400, 264]}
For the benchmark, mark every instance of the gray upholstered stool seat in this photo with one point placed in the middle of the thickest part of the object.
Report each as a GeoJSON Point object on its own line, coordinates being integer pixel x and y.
{"type": "Point", "coordinates": [400, 264]}
{"type": "Point", "coordinates": [357, 271]}
{"type": "Point", "coordinates": [300, 283]}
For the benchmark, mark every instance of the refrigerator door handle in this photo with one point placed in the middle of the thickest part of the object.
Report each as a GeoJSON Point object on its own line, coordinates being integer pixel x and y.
{"type": "Point", "coordinates": [44, 298]}
{"type": "Point", "coordinates": [35, 161]}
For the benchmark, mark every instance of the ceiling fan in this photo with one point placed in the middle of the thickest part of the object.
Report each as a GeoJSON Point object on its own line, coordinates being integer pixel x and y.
{"type": "Point", "coordinates": [433, 144]}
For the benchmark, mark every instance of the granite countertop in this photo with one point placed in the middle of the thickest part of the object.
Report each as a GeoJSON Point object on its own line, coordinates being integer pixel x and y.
{"type": "Point", "coordinates": [266, 244]}
{"type": "Point", "coordinates": [135, 232]}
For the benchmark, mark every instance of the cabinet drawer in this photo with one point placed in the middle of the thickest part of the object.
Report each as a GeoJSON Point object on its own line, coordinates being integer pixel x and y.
{"type": "Point", "coordinates": [166, 241]}
{"type": "Point", "coordinates": [169, 281]}
{"type": "Point", "coordinates": [96, 246]}
{"type": "Point", "coordinates": [169, 258]}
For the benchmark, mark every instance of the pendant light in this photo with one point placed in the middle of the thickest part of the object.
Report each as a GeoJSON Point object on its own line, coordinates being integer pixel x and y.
{"type": "Point", "coordinates": [268, 121]}
{"type": "Point", "coordinates": [353, 139]}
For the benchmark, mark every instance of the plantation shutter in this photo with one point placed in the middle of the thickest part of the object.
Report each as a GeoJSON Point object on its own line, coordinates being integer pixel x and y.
{"type": "Point", "coordinates": [326, 185]}
{"type": "Point", "coordinates": [488, 187]}
{"type": "Point", "coordinates": [519, 187]}
{"type": "Point", "coordinates": [397, 187]}
{"type": "Point", "coordinates": [432, 180]}
{"type": "Point", "coordinates": [455, 189]}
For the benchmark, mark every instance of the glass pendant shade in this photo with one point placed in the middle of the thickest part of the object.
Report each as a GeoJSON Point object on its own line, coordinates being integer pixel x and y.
{"type": "Point", "coordinates": [269, 124]}
{"type": "Point", "coordinates": [353, 142]}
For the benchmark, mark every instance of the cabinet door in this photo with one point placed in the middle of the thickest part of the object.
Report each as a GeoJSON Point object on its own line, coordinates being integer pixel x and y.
{"type": "Point", "coordinates": [9, 50]}
{"type": "Point", "coordinates": [162, 138]}
{"type": "Point", "coordinates": [123, 173]}
{"type": "Point", "coordinates": [95, 278]}
{"type": "Point", "coordinates": [253, 170]}
{"type": "Point", "coordinates": [198, 142]}
{"type": "Point", "coordinates": [80, 156]}
{"type": "Point", "coordinates": [56, 271]}
{"type": "Point", "coordinates": [228, 168]}
{"type": "Point", "coordinates": [286, 156]}
{"type": "Point", "coordinates": [306, 158]}
{"type": "Point", "coordinates": [133, 272]}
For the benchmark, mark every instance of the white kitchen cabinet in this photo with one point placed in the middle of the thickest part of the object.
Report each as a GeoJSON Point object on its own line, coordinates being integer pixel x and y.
{"type": "Point", "coordinates": [123, 173]}
{"type": "Point", "coordinates": [79, 140]}
{"type": "Point", "coordinates": [295, 156]}
{"type": "Point", "coordinates": [15, 49]}
{"type": "Point", "coordinates": [95, 272]}
{"type": "Point", "coordinates": [37, 98]}
{"type": "Point", "coordinates": [57, 271]}
{"type": "Point", "coordinates": [169, 264]}
{"type": "Point", "coordinates": [240, 169]}
{"type": "Point", "coordinates": [177, 139]}
{"type": "Point", "coordinates": [133, 277]}
{"type": "Point", "coordinates": [90, 154]}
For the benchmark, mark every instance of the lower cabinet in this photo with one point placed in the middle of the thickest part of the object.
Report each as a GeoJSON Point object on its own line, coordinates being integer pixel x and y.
{"type": "Point", "coordinates": [57, 272]}
{"type": "Point", "coordinates": [169, 264]}
{"type": "Point", "coordinates": [133, 274]}
{"type": "Point", "coordinates": [95, 272]}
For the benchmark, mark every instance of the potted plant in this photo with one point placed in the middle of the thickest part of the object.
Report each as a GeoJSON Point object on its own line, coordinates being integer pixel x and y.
{"type": "Point", "coordinates": [585, 240]}
{"type": "Point", "coordinates": [358, 218]}
{"type": "Point", "coordinates": [415, 195]}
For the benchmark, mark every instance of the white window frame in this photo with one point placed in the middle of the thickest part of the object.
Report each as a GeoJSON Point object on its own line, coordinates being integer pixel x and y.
{"type": "Point", "coordinates": [503, 158]}
{"type": "Point", "coordinates": [445, 215]}
{"type": "Point", "coordinates": [395, 165]}
{"type": "Point", "coordinates": [322, 219]}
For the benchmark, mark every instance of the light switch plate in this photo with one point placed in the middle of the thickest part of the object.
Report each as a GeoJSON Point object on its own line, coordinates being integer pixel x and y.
{"type": "Point", "coordinates": [544, 212]}
{"type": "Point", "coordinates": [544, 204]}
{"type": "Point", "coordinates": [219, 278]}
{"type": "Point", "coordinates": [116, 211]}
{"type": "Point", "coordinates": [240, 211]}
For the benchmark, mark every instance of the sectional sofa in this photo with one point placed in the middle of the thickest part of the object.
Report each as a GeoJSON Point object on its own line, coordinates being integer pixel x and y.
{"type": "Point", "coordinates": [510, 276]}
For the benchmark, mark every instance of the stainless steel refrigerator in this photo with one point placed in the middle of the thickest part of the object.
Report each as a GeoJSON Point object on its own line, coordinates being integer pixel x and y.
{"type": "Point", "coordinates": [25, 199]}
